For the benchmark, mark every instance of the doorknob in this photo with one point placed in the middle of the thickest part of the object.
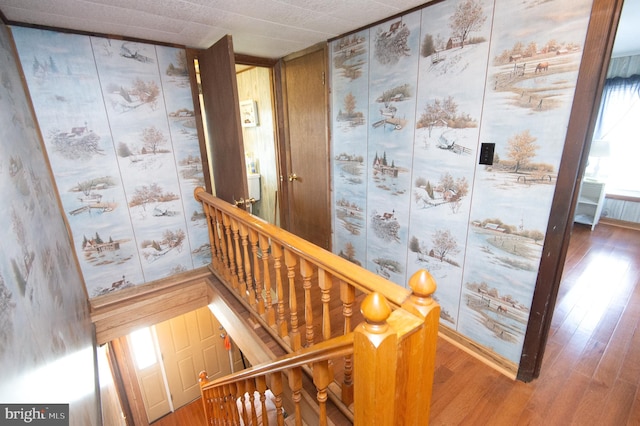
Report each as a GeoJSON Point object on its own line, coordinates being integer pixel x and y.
{"type": "Point", "coordinates": [293, 177]}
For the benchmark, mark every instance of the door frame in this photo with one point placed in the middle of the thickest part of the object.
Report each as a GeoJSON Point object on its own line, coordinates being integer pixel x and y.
{"type": "Point", "coordinates": [277, 109]}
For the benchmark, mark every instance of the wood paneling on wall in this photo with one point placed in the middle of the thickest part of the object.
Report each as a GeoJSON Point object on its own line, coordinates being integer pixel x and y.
{"type": "Point", "coordinates": [255, 83]}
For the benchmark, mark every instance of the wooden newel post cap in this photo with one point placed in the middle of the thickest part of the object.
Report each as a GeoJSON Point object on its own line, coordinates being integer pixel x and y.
{"type": "Point", "coordinates": [376, 311]}
{"type": "Point", "coordinates": [197, 190]}
{"type": "Point", "coordinates": [422, 284]}
{"type": "Point", "coordinates": [204, 377]}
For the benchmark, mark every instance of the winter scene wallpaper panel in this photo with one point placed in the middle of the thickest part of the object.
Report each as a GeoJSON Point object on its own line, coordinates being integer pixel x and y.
{"type": "Point", "coordinates": [468, 72]}
{"type": "Point", "coordinates": [119, 127]}
{"type": "Point", "coordinates": [45, 327]}
{"type": "Point", "coordinates": [350, 80]}
{"type": "Point", "coordinates": [394, 53]}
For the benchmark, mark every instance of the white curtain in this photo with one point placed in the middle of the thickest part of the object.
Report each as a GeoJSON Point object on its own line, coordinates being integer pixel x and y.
{"type": "Point", "coordinates": [619, 124]}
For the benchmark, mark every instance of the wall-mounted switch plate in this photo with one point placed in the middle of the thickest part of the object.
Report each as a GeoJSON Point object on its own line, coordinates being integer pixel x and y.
{"type": "Point", "coordinates": [486, 153]}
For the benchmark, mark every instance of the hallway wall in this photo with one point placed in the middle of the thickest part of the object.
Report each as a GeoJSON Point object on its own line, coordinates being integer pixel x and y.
{"type": "Point", "coordinates": [46, 338]}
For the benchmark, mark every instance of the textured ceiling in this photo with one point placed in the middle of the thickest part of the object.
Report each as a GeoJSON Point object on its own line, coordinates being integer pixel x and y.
{"type": "Point", "coordinates": [265, 28]}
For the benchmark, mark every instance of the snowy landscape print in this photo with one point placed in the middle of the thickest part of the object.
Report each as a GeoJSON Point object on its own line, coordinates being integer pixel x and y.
{"type": "Point", "coordinates": [124, 163]}
{"type": "Point", "coordinates": [500, 72]}
{"type": "Point", "coordinates": [530, 88]}
{"type": "Point", "coordinates": [451, 89]}
{"type": "Point", "coordinates": [350, 82]}
{"type": "Point", "coordinates": [394, 52]}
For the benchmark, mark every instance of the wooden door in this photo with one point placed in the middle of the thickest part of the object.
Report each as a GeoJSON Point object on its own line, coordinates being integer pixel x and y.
{"type": "Point", "coordinates": [307, 171]}
{"type": "Point", "coordinates": [148, 370]}
{"type": "Point", "coordinates": [189, 344]}
{"type": "Point", "coordinates": [222, 117]}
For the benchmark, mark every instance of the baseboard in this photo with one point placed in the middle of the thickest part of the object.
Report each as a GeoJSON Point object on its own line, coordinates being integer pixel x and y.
{"type": "Point", "coordinates": [489, 358]}
{"type": "Point", "coordinates": [620, 223]}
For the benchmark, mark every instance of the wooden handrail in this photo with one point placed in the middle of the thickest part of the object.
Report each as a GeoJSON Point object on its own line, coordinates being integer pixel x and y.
{"type": "Point", "coordinates": [290, 286]}
{"type": "Point", "coordinates": [334, 348]}
{"type": "Point", "coordinates": [343, 269]}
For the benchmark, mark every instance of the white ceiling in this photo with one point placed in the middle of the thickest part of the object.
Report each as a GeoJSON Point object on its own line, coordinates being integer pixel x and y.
{"type": "Point", "coordinates": [265, 28]}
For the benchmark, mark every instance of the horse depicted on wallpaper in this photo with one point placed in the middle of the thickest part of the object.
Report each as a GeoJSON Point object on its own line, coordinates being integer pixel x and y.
{"type": "Point", "coordinates": [462, 73]}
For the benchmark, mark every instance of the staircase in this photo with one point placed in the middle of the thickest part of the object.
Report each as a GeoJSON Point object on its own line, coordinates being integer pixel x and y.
{"type": "Point", "coordinates": [323, 368]}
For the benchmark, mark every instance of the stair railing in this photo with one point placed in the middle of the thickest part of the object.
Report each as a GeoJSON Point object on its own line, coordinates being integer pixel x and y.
{"type": "Point", "coordinates": [281, 277]}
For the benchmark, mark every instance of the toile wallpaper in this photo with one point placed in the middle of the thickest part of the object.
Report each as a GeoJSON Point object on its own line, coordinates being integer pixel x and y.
{"type": "Point", "coordinates": [413, 99]}
{"type": "Point", "coordinates": [118, 124]}
{"type": "Point", "coordinates": [46, 337]}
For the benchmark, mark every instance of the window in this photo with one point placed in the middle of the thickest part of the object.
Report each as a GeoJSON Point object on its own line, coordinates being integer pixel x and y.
{"type": "Point", "coordinates": [618, 126]}
{"type": "Point", "coordinates": [143, 348]}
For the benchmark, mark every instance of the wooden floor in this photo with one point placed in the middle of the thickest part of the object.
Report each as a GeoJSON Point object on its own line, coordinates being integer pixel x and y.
{"type": "Point", "coordinates": [591, 368]}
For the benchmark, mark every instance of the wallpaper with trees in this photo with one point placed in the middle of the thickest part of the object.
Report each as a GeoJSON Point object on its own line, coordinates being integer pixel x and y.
{"type": "Point", "coordinates": [46, 336]}
{"type": "Point", "coordinates": [413, 99]}
{"type": "Point", "coordinates": [119, 127]}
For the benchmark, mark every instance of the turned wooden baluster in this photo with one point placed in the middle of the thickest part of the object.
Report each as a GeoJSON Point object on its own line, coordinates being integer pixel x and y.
{"type": "Point", "coordinates": [218, 242]}
{"type": "Point", "coordinates": [281, 320]}
{"type": "Point", "coordinates": [219, 404]}
{"type": "Point", "coordinates": [242, 396]}
{"type": "Point", "coordinates": [295, 384]}
{"type": "Point", "coordinates": [325, 281]}
{"type": "Point", "coordinates": [322, 378]}
{"type": "Point", "coordinates": [244, 236]}
{"type": "Point", "coordinates": [229, 404]}
{"type": "Point", "coordinates": [251, 389]}
{"type": "Point", "coordinates": [253, 239]}
{"type": "Point", "coordinates": [233, 405]}
{"type": "Point", "coordinates": [211, 228]}
{"type": "Point", "coordinates": [348, 297]}
{"type": "Point", "coordinates": [264, 249]}
{"type": "Point", "coordinates": [203, 379]}
{"type": "Point", "coordinates": [261, 387]}
{"type": "Point", "coordinates": [306, 270]}
{"type": "Point", "coordinates": [291, 260]}
{"type": "Point", "coordinates": [221, 247]}
{"type": "Point", "coordinates": [239, 272]}
{"type": "Point", "coordinates": [230, 270]}
{"type": "Point", "coordinates": [275, 381]}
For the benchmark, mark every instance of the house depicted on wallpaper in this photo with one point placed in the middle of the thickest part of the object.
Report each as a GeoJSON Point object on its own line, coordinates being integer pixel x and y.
{"type": "Point", "coordinates": [413, 100]}
{"type": "Point", "coordinates": [119, 128]}
{"type": "Point", "coordinates": [98, 178]}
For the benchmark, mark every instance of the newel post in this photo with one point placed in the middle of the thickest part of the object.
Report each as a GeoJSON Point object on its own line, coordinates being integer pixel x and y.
{"type": "Point", "coordinates": [375, 351]}
{"type": "Point", "coordinates": [413, 399]}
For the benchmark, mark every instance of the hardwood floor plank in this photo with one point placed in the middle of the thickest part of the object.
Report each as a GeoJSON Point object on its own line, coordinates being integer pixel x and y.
{"type": "Point", "coordinates": [616, 410]}
{"type": "Point", "coordinates": [562, 407]}
{"type": "Point", "coordinates": [589, 408]}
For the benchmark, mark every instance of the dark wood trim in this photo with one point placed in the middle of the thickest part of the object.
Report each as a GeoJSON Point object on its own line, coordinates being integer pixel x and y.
{"type": "Point", "coordinates": [3, 18]}
{"type": "Point", "coordinates": [282, 132]}
{"type": "Point", "coordinates": [192, 55]}
{"type": "Point", "coordinates": [94, 34]}
{"type": "Point", "coordinates": [132, 392]}
{"type": "Point", "coordinates": [255, 61]}
{"type": "Point", "coordinates": [593, 69]}
{"type": "Point", "coordinates": [119, 383]}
